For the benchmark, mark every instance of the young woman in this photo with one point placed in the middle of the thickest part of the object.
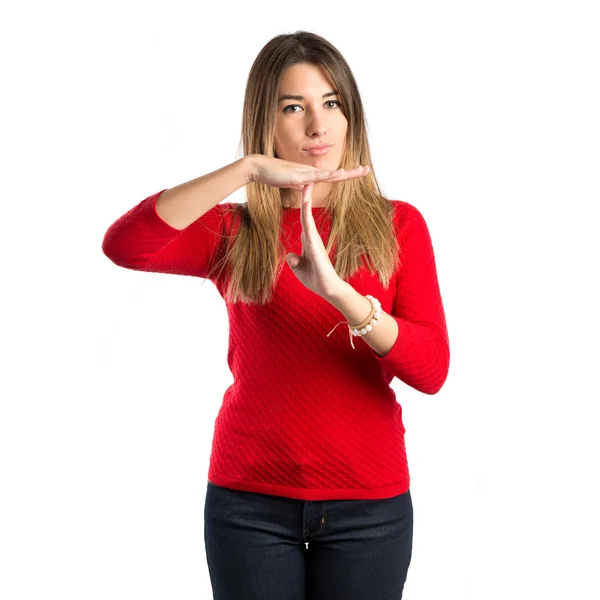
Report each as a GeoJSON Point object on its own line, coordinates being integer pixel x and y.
{"type": "Point", "coordinates": [308, 485]}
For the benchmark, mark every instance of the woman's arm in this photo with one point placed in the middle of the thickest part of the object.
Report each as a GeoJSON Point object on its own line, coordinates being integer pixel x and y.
{"type": "Point", "coordinates": [181, 205]}
{"type": "Point", "coordinates": [177, 230]}
{"type": "Point", "coordinates": [420, 355]}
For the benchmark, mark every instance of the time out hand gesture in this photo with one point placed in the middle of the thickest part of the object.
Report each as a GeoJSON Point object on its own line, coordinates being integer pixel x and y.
{"type": "Point", "coordinates": [313, 267]}
{"type": "Point", "coordinates": [280, 173]}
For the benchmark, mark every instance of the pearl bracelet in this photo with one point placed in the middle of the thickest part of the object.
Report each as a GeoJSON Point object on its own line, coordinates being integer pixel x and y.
{"type": "Point", "coordinates": [368, 324]}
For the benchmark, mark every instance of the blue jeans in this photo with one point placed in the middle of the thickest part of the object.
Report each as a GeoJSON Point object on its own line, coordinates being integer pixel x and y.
{"type": "Point", "coordinates": [264, 547]}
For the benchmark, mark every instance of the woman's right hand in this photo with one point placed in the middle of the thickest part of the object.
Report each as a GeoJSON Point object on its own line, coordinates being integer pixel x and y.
{"type": "Point", "coordinates": [276, 172]}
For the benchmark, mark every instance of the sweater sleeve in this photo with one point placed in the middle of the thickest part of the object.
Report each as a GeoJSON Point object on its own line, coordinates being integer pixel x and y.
{"type": "Point", "coordinates": [143, 241]}
{"type": "Point", "coordinates": [420, 356]}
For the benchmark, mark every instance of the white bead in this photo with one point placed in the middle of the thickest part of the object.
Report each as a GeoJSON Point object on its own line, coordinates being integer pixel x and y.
{"type": "Point", "coordinates": [376, 306]}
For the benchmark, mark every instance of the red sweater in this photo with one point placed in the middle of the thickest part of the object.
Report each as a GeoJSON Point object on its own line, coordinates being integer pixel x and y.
{"type": "Point", "coordinates": [307, 416]}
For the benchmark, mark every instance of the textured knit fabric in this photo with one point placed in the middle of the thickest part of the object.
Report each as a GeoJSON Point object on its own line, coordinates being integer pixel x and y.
{"type": "Point", "coordinates": [307, 416]}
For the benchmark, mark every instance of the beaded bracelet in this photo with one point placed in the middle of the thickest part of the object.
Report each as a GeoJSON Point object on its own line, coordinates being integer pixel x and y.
{"type": "Point", "coordinates": [367, 324]}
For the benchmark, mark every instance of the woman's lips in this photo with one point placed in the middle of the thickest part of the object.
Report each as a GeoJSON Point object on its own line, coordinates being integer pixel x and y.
{"type": "Point", "coordinates": [319, 151]}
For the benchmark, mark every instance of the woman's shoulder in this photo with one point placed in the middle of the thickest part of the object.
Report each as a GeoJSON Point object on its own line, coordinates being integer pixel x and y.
{"type": "Point", "coordinates": [406, 215]}
{"type": "Point", "coordinates": [403, 207]}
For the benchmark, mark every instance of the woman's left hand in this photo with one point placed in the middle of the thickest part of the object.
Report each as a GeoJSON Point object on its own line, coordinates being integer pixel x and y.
{"type": "Point", "coordinates": [313, 267]}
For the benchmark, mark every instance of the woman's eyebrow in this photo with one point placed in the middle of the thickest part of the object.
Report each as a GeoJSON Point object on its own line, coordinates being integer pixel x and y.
{"type": "Point", "coordinates": [292, 97]}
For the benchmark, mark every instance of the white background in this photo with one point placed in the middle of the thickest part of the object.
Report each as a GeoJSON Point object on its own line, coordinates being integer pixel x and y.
{"type": "Point", "coordinates": [482, 115]}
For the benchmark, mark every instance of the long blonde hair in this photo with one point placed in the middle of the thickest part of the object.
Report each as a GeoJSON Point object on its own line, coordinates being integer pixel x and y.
{"type": "Point", "coordinates": [361, 218]}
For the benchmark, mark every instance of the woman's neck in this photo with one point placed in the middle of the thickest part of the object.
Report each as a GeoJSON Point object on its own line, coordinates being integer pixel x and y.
{"type": "Point", "coordinates": [293, 198]}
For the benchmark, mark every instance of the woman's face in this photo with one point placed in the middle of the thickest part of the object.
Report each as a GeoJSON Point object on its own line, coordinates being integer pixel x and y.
{"type": "Point", "coordinates": [313, 118]}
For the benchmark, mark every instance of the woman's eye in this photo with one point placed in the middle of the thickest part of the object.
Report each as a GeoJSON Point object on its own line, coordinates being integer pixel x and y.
{"type": "Point", "coordinates": [294, 105]}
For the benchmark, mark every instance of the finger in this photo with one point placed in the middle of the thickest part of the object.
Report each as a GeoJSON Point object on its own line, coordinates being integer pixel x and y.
{"type": "Point", "coordinates": [357, 171]}
{"type": "Point", "coordinates": [324, 174]}
{"type": "Point", "coordinates": [351, 174]}
{"type": "Point", "coordinates": [306, 215]}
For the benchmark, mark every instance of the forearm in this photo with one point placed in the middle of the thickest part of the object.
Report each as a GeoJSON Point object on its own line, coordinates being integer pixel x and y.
{"type": "Point", "coordinates": [356, 307]}
{"type": "Point", "coordinates": [185, 203]}
{"type": "Point", "coordinates": [420, 358]}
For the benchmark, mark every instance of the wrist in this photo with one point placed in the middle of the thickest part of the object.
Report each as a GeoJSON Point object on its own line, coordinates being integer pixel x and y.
{"type": "Point", "coordinates": [249, 163]}
{"type": "Point", "coordinates": [339, 291]}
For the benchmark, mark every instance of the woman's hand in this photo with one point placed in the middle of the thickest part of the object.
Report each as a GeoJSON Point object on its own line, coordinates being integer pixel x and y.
{"type": "Point", "coordinates": [280, 173]}
{"type": "Point", "coordinates": [313, 267]}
